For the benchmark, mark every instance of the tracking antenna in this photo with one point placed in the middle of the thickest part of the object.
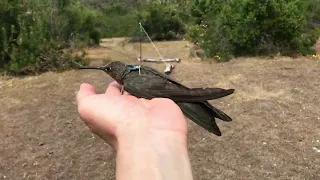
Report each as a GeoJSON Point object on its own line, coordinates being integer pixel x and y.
{"type": "Point", "coordinates": [140, 39]}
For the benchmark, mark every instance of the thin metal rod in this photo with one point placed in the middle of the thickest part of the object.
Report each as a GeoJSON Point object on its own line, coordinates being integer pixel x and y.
{"type": "Point", "coordinates": [140, 41]}
{"type": "Point", "coordinates": [151, 41]}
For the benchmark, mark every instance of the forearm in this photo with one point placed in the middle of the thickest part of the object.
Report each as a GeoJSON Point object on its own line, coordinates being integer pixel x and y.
{"type": "Point", "coordinates": [162, 158]}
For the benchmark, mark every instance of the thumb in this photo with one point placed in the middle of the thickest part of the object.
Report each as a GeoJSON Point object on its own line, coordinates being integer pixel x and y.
{"type": "Point", "coordinates": [85, 91]}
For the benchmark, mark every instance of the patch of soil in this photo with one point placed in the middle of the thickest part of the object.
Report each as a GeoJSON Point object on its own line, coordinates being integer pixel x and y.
{"type": "Point", "coordinates": [275, 132]}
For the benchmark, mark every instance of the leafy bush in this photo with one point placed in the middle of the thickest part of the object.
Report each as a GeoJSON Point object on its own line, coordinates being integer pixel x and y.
{"type": "Point", "coordinates": [24, 36]}
{"type": "Point", "coordinates": [34, 36]}
{"type": "Point", "coordinates": [83, 22]}
{"type": "Point", "coordinates": [119, 21]}
{"type": "Point", "coordinates": [161, 21]}
{"type": "Point", "coordinates": [252, 27]}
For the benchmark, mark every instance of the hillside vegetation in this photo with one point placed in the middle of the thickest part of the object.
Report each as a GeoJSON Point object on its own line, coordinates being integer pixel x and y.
{"type": "Point", "coordinates": [39, 35]}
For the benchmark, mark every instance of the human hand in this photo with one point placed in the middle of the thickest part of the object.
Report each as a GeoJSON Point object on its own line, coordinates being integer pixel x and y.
{"type": "Point", "coordinates": [127, 120]}
{"type": "Point", "coordinates": [150, 136]}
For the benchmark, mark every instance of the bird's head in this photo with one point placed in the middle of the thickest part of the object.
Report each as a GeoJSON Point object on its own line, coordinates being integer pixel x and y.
{"type": "Point", "coordinates": [114, 69]}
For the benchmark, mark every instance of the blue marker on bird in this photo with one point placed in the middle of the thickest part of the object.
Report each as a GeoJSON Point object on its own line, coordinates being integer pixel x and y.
{"type": "Point", "coordinates": [136, 67]}
{"type": "Point", "coordinates": [133, 68]}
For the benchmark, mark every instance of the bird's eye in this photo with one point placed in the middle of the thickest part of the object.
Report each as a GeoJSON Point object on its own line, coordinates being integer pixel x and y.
{"type": "Point", "coordinates": [108, 68]}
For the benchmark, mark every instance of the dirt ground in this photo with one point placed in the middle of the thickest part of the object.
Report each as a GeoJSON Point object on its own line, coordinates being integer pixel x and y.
{"type": "Point", "coordinates": [275, 132]}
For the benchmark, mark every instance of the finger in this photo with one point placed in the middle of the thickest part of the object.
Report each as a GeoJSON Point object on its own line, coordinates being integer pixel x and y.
{"type": "Point", "coordinates": [114, 89]}
{"type": "Point", "coordinates": [85, 91]}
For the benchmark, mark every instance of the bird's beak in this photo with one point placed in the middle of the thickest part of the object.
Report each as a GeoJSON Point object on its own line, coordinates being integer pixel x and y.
{"type": "Point", "coordinates": [103, 68]}
{"type": "Point", "coordinates": [87, 67]}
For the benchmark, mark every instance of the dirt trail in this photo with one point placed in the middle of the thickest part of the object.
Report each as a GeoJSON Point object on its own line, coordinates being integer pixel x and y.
{"type": "Point", "coordinates": [275, 132]}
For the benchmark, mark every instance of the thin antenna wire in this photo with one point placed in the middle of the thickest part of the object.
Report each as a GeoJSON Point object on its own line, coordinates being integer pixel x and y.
{"type": "Point", "coordinates": [141, 27]}
{"type": "Point", "coordinates": [140, 42]}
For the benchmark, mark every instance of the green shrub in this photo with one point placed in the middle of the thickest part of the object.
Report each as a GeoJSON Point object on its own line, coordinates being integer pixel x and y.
{"type": "Point", "coordinates": [161, 21]}
{"type": "Point", "coordinates": [34, 36]}
{"type": "Point", "coordinates": [82, 22]}
{"type": "Point", "coordinates": [24, 36]}
{"type": "Point", "coordinates": [249, 27]}
{"type": "Point", "coordinates": [119, 21]}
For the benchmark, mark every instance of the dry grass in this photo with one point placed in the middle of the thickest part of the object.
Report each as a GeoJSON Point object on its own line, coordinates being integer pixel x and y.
{"type": "Point", "coordinates": [275, 132]}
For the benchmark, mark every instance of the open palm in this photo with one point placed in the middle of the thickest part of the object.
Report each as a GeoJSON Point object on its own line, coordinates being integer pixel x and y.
{"type": "Point", "coordinates": [122, 117]}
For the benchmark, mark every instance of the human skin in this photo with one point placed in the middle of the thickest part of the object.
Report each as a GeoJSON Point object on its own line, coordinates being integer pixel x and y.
{"type": "Point", "coordinates": [150, 136]}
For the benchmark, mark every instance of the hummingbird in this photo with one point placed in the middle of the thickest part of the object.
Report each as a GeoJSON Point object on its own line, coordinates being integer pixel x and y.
{"type": "Point", "coordinates": [146, 82]}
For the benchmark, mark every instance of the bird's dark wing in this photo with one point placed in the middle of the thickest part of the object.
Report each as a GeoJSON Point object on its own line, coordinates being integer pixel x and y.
{"type": "Point", "coordinates": [151, 83]}
{"type": "Point", "coordinates": [217, 112]}
{"type": "Point", "coordinates": [204, 114]}
{"type": "Point", "coordinates": [217, 92]}
{"type": "Point", "coordinates": [201, 115]}
{"type": "Point", "coordinates": [164, 76]}
{"type": "Point", "coordinates": [192, 95]}
{"type": "Point", "coordinates": [140, 85]}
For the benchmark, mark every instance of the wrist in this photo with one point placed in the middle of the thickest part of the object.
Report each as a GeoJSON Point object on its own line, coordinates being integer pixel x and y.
{"type": "Point", "coordinates": [155, 141]}
{"type": "Point", "coordinates": [160, 155]}
{"type": "Point", "coordinates": [154, 138]}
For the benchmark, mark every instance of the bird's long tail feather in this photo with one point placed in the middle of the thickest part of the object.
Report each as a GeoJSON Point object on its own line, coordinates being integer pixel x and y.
{"type": "Point", "coordinates": [204, 115]}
